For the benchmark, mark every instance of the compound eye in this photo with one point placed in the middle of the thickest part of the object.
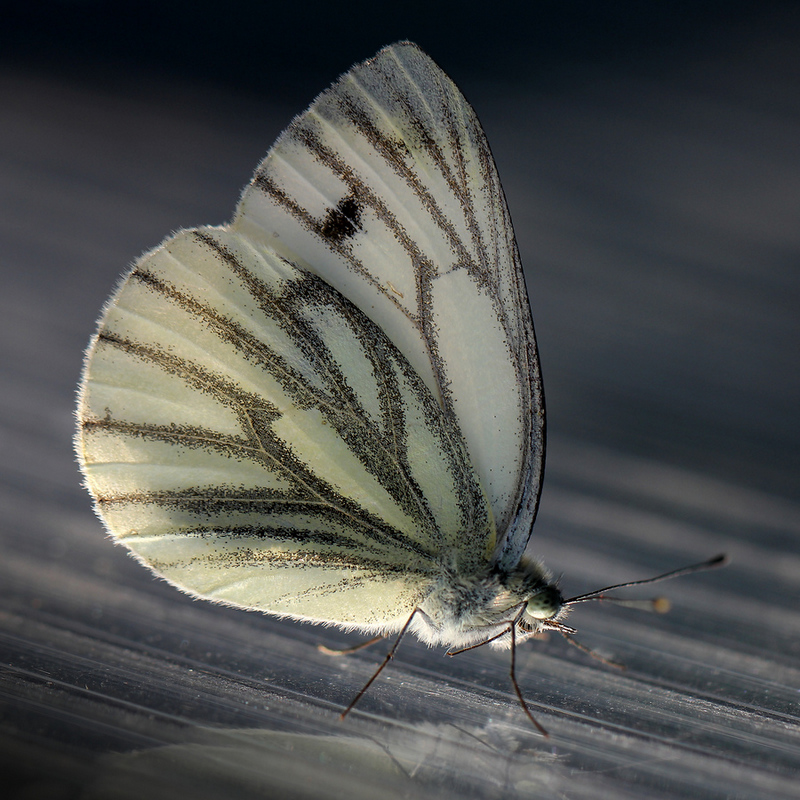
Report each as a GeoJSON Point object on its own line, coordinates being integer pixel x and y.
{"type": "Point", "coordinates": [545, 604]}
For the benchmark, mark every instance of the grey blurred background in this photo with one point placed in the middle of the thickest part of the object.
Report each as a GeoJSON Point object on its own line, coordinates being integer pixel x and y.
{"type": "Point", "coordinates": [651, 158]}
{"type": "Point", "coordinates": [649, 153]}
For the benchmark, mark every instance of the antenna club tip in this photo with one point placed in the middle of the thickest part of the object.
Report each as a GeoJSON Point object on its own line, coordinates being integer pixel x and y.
{"type": "Point", "coordinates": [719, 561]}
{"type": "Point", "coordinates": [661, 605]}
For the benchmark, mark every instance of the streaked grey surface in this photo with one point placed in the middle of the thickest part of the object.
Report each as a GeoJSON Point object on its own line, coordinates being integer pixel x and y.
{"type": "Point", "coordinates": [657, 214]}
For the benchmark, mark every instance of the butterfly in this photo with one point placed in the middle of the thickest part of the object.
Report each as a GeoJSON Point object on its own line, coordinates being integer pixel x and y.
{"type": "Point", "coordinates": [331, 409]}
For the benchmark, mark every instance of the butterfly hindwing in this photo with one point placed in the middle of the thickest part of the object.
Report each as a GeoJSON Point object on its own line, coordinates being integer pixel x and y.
{"type": "Point", "coordinates": [254, 438]}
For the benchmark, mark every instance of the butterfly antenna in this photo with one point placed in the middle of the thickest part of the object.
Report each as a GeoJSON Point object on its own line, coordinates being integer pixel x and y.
{"type": "Point", "coordinates": [656, 604]}
{"type": "Point", "coordinates": [512, 630]}
{"type": "Point", "coordinates": [389, 657]}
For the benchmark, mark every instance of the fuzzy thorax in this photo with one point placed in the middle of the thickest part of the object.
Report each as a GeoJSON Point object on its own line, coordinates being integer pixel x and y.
{"type": "Point", "coordinates": [467, 610]}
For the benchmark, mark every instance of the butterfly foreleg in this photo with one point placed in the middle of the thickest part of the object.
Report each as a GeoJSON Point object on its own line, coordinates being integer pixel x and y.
{"type": "Point", "coordinates": [513, 674]}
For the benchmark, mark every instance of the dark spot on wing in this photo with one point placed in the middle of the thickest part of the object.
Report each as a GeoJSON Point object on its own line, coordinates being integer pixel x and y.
{"type": "Point", "coordinates": [342, 222]}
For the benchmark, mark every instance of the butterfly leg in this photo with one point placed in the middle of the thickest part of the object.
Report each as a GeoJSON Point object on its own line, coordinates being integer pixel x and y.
{"type": "Point", "coordinates": [514, 683]}
{"type": "Point", "coordinates": [389, 657]}
{"type": "Point", "coordinates": [345, 651]}
{"type": "Point", "coordinates": [589, 652]}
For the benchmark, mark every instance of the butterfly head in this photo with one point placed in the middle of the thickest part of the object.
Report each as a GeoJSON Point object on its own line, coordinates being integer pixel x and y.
{"type": "Point", "coordinates": [535, 599]}
{"type": "Point", "coordinates": [542, 610]}
{"type": "Point", "coordinates": [544, 604]}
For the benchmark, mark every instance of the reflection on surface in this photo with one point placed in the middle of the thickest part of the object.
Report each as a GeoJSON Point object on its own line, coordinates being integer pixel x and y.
{"type": "Point", "coordinates": [414, 761]}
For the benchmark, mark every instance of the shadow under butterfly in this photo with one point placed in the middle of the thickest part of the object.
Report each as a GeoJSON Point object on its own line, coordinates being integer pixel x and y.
{"type": "Point", "coordinates": [331, 409]}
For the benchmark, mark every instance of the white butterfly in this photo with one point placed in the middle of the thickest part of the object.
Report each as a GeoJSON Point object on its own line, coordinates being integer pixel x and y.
{"type": "Point", "coordinates": [331, 408]}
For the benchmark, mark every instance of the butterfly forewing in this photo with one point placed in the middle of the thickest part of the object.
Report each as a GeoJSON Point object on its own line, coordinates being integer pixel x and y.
{"type": "Point", "coordinates": [386, 188]}
{"type": "Point", "coordinates": [254, 438]}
